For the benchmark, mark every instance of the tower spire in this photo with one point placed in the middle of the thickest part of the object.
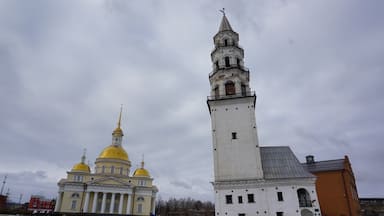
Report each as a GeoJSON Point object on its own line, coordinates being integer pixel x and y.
{"type": "Point", "coordinates": [118, 132]}
{"type": "Point", "coordinates": [224, 25]}
{"type": "Point", "coordinates": [119, 122]}
{"type": "Point", "coordinates": [83, 157]}
{"type": "Point", "coordinates": [142, 161]}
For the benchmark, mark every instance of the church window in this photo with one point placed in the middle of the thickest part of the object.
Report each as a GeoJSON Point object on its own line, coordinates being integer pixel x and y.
{"type": "Point", "coordinates": [226, 42]}
{"type": "Point", "coordinates": [279, 213]}
{"type": "Point", "coordinates": [217, 93]}
{"type": "Point", "coordinates": [243, 90]}
{"type": "Point", "coordinates": [102, 169]}
{"type": "Point", "coordinates": [251, 198]}
{"type": "Point", "coordinates": [75, 195]}
{"type": "Point", "coordinates": [230, 88]}
{"type": "Point", "coordinates": [280, 196]}
{"type": "Point", "coordinates": [217, 64]}
{"type": "Point", "coordinates": [142, 182]}
{"type": "Point", "coordinates": [121, 170]}
{"type": "Point", "coordinates": [226, 59]}
{"type": "Point", "coordinates": [112, 169]}
{"type": "Point", "coordinates": [228, 199]}
{"type": "Point", "coordinates": [139, 208]}
{"type": "Point", "coordinates": [234, 135]}
{"type": "Point", "coordinates": [304, 198]}
{"type": "Point", "coordinates": [73, 204]}
{"type": "Point", "coordinates": [238, 62]}
{"type": "Point", "coordinates": [240, 199]}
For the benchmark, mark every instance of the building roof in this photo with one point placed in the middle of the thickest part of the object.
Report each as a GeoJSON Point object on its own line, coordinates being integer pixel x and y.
{"type": "Point", "coordinates": [224, 25]}
{"type": "Point", "coordinates": [280, 162]}
{"type": "Point", "coordinates": [321, 166]}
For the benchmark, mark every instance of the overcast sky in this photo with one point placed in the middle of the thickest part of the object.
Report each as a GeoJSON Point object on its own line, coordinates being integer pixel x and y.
{"type": "Point", "coordinates": [66, 66]}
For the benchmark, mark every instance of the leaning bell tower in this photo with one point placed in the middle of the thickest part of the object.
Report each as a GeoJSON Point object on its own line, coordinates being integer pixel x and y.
{"type": "Point", "coordinates": [231, 104]}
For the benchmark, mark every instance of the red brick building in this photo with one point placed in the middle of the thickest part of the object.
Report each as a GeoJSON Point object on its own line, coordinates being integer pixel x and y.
{"type": "Point", "coordinates": [335, 186]}
{"type": "Point", "coordinates": [38, 204]}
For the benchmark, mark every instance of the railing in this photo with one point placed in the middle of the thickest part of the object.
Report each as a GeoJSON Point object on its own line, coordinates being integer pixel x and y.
{"type": "Point", "coordinates": [221, 97]}
{"type": "Point", "coordinates": [232, 66]}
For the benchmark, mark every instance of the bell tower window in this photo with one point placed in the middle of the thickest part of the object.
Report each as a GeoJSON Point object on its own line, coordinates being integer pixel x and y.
{"type": "Point", "coordinates": [230, 88]}
{"type": "Point", "coordinates": [226, 59]}
{"type": "Point", "coordinates": [217, 93]}
{"type": "Point", "coordinates": [243, 90]}
{"type": "Point", "coordinates": [225, 42]}
{"type": "Point", "coordinates": [238, 62]}
{"type": "Point", "coordinates": [217, 64]}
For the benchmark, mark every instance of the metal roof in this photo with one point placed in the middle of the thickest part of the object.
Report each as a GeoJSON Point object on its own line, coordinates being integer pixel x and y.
{"type": "Point", "coordinates": [225, 26]}
{"type": "Point", "coordinates": [320, 166]}
{"type": "Point", "coordinates": [280, 162]}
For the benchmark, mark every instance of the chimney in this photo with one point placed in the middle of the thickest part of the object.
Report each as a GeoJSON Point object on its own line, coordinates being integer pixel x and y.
{"type": "Point", "coordinates": [310, 159]}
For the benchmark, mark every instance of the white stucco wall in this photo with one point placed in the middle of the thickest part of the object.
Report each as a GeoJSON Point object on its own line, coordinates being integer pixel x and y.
{"type": "Point", "coordinates": [235, 158]}
{"type": "Point", "coordinates": [266, 200]}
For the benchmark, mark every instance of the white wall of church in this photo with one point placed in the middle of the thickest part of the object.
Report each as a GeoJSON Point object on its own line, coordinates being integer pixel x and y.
{"type": "Point", "coordinates": [265, 201]}
{"type": "Point", "coordinates": [235, 157]}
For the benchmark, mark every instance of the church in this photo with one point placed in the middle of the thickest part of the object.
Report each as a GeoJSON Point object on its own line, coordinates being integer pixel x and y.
{"type": "Point", "coordinates": [249, 179]}
{"type": "Point", "coordinates": [110, 189]}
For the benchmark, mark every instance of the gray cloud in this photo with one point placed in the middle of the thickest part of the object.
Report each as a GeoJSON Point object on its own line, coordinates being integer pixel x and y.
{"type": "Point", "coordinates": [66, 66]}
{"type": "Point", "coordinates": [181, 184]}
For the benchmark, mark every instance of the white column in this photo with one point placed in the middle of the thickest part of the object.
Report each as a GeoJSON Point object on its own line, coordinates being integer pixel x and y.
{"type": "Point", "coordinates": [58, 202]}
{"type": "Point", "coordinates": [238, 87]}
{"type": "Point", "coordinates": [85, 208]}
{"type": "Point", "coordinates": [112, 205]}
{"type": "Point", "coordinates": [121, 203]}
{"type": "Point", "coordinates": [103, 202]}
{"type": "Point", "coordinates": [154, 205]}
{"type": "Point", "coordinates": [94, 202]}
{"type": "Point", "coordinates": [129, 202]}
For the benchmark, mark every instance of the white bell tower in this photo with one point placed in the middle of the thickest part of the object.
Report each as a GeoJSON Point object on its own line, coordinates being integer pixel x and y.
{"type": "Point", "coordinates": [232, 108]}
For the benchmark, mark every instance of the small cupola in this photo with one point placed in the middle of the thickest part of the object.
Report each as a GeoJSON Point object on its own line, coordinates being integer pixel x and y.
{"type": "Point", "coordinates": [141, 172]}
{"type": "Point", "coordinates": [81, 167]}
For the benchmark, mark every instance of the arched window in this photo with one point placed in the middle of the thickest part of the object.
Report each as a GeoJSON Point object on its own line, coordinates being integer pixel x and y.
{"type": "Point", "coordinates": [243, 90]}
{"type": "Point", "coordinates": [226, 42]}
{"type": "Point", "coordinates": [226, 59]}
{"type": "Point", "coordinates": [304, 198]}
{"type": "Point", "coordinates": [112, 169]}
{"type": "Point", "coordinates": [230, 88]}
{"type": "Point", "coordinates": [121, 170]}
{"type": "Point", "coordinates": [75, 195]}
{"type": "Point", "coordinates": [217, 93]}
{"type": "Point", "coordinates": [217, 64]}
{"type": "Point", "coordinates": [238, 62]}
{"type": "Point", "coordinates": [102, 169]}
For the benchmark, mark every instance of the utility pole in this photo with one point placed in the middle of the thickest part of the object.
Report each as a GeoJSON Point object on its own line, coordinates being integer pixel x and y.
{"type": "Point", "coordinates": [2, 187]}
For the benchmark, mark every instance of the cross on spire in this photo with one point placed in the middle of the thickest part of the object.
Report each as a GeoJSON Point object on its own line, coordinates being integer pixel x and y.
{"type": "Point", "coordinates": [222, 11]}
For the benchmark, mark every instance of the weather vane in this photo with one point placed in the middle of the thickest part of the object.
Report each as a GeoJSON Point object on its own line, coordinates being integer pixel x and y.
{"type": "Point", "coordinates": [223, 11]}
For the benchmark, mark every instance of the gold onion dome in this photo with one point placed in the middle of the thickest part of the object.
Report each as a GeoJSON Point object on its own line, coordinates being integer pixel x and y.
{"type": "Point", "coordinates": [114, 152]}
{"type": "Point", "coordinates": [141, 172]}
{"type": "Point", "coordinates": [81, 167]}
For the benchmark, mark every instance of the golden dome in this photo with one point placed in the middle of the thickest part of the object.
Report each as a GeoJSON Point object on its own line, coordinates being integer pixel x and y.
{"type": "Point", "coordinates": [114, 152]}
{"type": "Point", "coordinates": [81, 167]}
{"type": "Point", "coordinates": [141, 172]}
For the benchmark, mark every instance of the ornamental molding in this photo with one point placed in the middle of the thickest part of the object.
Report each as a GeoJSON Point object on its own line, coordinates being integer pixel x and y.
{"type": "Point", "coordinates": [260, 183]}
{"type": "Point", "coordinates": [109, 189]}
